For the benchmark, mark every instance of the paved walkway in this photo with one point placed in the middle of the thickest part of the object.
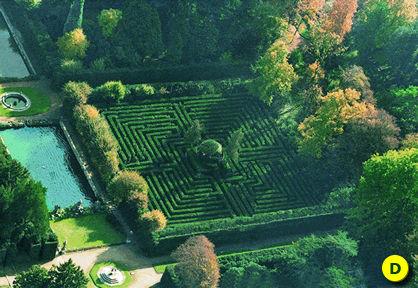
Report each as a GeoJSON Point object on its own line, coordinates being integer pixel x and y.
{"type": "Point", "coordinates": [141, 268]}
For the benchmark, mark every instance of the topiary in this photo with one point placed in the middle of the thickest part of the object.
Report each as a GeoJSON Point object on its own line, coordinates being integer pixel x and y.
{"type": "Point", "coordinates": [155, 220]}
{"type": "Point", "coordinates": [125, 185]}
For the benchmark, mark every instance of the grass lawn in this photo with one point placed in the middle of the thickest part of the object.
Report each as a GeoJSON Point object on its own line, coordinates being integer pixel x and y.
{"type": "Point", "coordinates": [86, 232]}
{"type": "Point", "coordinates": [100, 284]}
{"type": "Point", "coordinates": [40, 101]}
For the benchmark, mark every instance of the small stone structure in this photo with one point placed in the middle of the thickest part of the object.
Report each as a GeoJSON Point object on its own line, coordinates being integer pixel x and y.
{"type": "Point", "coordinates": [111, 276]}
{"type": "Point", "coordinates": [15, 101]}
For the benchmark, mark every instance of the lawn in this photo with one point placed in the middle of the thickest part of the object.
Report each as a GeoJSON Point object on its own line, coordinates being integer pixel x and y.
{"type": "Point", "coordinates": [40, 101]}
{"type": "Point", "coordinates": [86, 232]}
{"type": "Point", "coordinates": [100, 284]}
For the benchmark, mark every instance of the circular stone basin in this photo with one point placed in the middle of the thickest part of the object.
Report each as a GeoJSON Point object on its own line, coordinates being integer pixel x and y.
{"type": "Point", "coordinates": [111, 276]}
{"type": "Point", "coordinates": [15, 101]}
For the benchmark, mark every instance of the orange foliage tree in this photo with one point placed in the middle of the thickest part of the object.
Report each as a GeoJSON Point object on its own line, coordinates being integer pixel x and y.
{"type": "Point", "coordinates": [197, 263]}
{"type": "Point", "coordinates": [340, 19]}
{"type": "Point", "coordinates": [155, 220]}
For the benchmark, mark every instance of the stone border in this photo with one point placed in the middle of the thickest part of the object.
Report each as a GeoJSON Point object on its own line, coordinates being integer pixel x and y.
{"type": "Point", "coordinates": [4, 96]}
{"type": "Point", "coordinates": [14, 33]}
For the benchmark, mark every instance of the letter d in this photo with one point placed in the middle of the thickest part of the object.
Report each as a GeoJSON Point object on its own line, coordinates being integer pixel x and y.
{"type": "Point", "coordinates": [393, 266]}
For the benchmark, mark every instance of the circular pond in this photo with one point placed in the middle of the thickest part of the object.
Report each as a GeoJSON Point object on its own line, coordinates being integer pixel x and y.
{"type": "Point", "coordinates": [15, 101]}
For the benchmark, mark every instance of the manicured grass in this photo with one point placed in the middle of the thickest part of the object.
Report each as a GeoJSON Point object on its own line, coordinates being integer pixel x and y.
{"type": "Point", "coordinates": [86, 232]}
{"type": "Point", "coordinates": [100, 284]}
{"type": "Point", "coordinates": [39, 100]}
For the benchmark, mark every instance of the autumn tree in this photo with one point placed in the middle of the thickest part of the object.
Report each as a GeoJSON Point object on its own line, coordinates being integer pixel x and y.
{"type": "Point", "coordinates": [410, 141]}
{"type": "Point", "coordinates": [386, 211]}
{"type": "Point", "coordinates": [125, 184]}
{"type": "Point", "coordinates": [336, 109]}
{"type": "Point", "coordinates": [73, 44]}
{"type": "Point", "coordinates": [340, 19]}
{"type": "Point", "coordinates": [108, 20]}
{"type": "Point", "coordinates": [197, 263]}
{"type": "Point", "coordinates": [275, 75]}
{"type": "Point", "coordinates": [154, 220]}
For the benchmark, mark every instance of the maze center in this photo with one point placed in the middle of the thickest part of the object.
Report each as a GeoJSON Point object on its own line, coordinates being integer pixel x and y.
{"type": "Point", "coordinates": [268, 177]}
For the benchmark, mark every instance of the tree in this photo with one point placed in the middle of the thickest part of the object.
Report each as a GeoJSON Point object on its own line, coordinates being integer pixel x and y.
{"type": "Point", "coordinates": [197, 263]}
{"type": "Point", "coordinates": [108, 20]}
{"type": "Point", "coordinates": [233, 147]}
{"type": "Point", "coordinates": [110, 92]}
{"type": "Point", "coordinates": [336, 109]}
{"type": "Point", "coordinates": [340, 19]}
{"type": "Point", "coordinates": [75, 16]}
{"type": "Point", "coordinates": [76, 93]}
{"type": "Point", "coordinates": [126, 184]}
{"type": "Point", "coordinates": [154, 220]}
{"type": "Point", "coordinates": [193, 135]}
{"type": "Point", "coordinates": [29, 4]}
{"type": "Point", "coordinates": [336, 278]}
{"type": "Point", "coordinates": [73, 45]}
{"type": "Point", "coordinates": [354, 77]}
{"type": "Point", "coordinates": [275, 75]}
{"type": "Point", "coordinates": [67, 275]}
{"type": "Point", "coordinates": [248, 276]}
{"type": "Point", "coordinates": [35, 277]}
{"type": "Point", "coordinates": [410, 141]}
{"type": "Point", "coordinates": [386, 210]}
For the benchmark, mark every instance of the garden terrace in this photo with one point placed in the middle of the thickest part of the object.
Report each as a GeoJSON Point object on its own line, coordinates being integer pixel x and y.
{"type": "Point", "coordinates": [270, 175]}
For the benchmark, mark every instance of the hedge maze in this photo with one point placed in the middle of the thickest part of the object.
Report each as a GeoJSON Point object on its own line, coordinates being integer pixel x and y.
{"type": "Point", "coordinates": [270, 176]}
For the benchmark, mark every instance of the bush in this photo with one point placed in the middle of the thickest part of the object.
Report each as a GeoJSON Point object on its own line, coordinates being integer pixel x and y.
{"type": "Point", "coordinates": [125, 185]}
{"type": "Point", "coordinates": [154, 220]}
{"type": "Point", "coordinates": [139, 201]}
{"type": "Point", "coordinates": [140, 91]}
{"type": "Point", "coordinates": [75, 93]}
{"type": "Point", "coordinates": [71, 65]}
{"type": "Point", "coordinates": [109, 93]}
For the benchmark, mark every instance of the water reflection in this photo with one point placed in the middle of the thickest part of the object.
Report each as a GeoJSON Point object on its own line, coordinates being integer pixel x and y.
{"type": "Point", "coordinates": [47, 156]}
{"type": "Point", "coordinates": [11, 63]}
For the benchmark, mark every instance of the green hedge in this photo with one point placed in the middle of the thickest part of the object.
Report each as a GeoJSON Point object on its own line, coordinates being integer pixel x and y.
{"type": "Point", "coordinates": [233, 232]}
{"type": "Point", "coordinates": [154, 75]}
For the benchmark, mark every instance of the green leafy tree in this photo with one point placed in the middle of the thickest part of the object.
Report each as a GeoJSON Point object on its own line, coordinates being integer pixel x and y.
{"type": "Point", "coordinates": [193, 135]}
{"type": "Point", "coordinates": [336, 278]}
{"type": "Point", "coordinates": [386, 207]}
{"type": "Point", "coordinates": [248, 276]}
{"type": "Point", "coordinates": [73, 45]}
{"type": "Point", "coordinates": [233, 147]}
{"type": "Point", "coordinates": [125, 184]}
{"type": "Point", "coordinates": [109, 93]}
{"type": "Point", "coordinates": [275, 75]}
{"type": "Point", "coordinates": [35, 277]}
{"type": "Point", "coordinates": [76, 93]}
{"type": "Point", "coordinates": [67, 275]}
{"type": "Point", "coordinates": [108, 20]}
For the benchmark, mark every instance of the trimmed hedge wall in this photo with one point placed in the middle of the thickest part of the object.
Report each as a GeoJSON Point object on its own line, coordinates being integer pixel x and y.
{"type": "Point", "coordinates": [233, 232]}
{"type": "Point", "coordinates": [153, 75]}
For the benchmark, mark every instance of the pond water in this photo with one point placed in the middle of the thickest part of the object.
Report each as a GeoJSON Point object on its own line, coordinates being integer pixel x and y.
{"type": "Point", "coordinates": [49, 159]}
{"type": "Point", "coordinates": [11, 63]}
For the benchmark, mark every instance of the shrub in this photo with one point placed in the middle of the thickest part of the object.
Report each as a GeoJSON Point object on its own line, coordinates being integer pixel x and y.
{"type": "Point", "coordinates": [98, 64]}
{"type": "Point", "coordinates": [140, 91]}
{"type": "Point", "coordinates": [197, 263]}
{"type": "Point", "coordinates": [71, 65]}
{"type": "Point", "coordinates": [109, 93]}
{"type": "Point", "coordinates": [109, 20]}
{"type": "Point", "coordinates": [154, 220]}
{"type": "Point", "coordinates": [125, 185]}
{"type": "Point", "coordinates": [76, 93]}
{"type": "Point", "coordinates": [73, 45]}
{"type": "Point", "coordinates": [139, 201]}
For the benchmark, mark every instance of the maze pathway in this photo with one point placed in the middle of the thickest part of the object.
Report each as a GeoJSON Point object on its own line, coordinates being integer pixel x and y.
{"type": "Point", "coordinates": [269, 176]}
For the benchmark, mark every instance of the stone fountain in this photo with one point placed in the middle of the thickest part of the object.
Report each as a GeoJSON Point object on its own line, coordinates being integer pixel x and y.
{"type": "Point", "coordinates": [111, 276]}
